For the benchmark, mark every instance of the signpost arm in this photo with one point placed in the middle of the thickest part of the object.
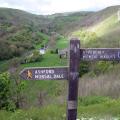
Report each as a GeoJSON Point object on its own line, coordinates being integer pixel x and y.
{"type": "Point", "coordinates": [73, 79]}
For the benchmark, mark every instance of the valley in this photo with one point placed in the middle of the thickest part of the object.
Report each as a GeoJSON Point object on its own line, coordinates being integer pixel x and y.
{"type": "Point", "coordinates": [23, 34]}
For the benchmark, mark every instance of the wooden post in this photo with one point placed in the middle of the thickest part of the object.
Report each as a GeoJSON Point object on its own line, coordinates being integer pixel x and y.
{"type": "Point", "coordinates": [73, 79]}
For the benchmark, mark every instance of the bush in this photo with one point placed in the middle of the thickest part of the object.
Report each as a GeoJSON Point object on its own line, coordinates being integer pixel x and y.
{"type": "Point", "coordinates": [36, 57]}
{"type": "Point", "coordinates": [83, 68]}
{"type": "Point", "coordinates": [5, 93]}
{"type": "Point", "coordinates": [53, 51]}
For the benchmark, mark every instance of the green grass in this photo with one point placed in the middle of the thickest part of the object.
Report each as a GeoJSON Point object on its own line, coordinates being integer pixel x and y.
{"type": "Point", "coordinates": [48, 60]}
{"type": "Point", "coordinates": [51, 112]}
{"type": "Point", "coordinates": [62, 42]}
{"type": "Point", "coordinates": [51, 91]}
{"type": "Point", "coordinates": [54, 111]}
{"type": "Point", "coordinates": [52, 88]}
{"type": "Point", "coordinates": [110, 107]}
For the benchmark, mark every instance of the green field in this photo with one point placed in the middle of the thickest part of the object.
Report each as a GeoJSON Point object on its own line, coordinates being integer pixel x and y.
{"type": "Point", "coordinates": [48, 60]}
{"type": "Point", "coordinates": [62, 42]}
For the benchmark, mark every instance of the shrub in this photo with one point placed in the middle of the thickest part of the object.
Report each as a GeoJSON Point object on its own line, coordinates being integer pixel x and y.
{"type": "Point", "coordinates": [53, 51]}
{"type": "Point", "coordinates": [5, 93]}
{"type": "Point", "coordinates": [35, 57]}
{"type": "Point", "coordinates": [83, 68]}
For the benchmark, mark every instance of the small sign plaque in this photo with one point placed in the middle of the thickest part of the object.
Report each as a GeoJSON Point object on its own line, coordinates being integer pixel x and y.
{"type": "Point", "coordinates": [55, 73]}
{"type": "Point", "coordinates": [106, 54]}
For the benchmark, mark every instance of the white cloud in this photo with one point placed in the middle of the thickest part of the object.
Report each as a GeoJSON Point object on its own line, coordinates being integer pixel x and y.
{"type": "Point", "coordinates": [57, 6]}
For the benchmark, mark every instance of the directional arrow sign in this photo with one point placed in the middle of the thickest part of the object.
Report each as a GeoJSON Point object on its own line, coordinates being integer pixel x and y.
{"type": "Point", "coordinates": [107, 54]}
{"type": "Point", "coordinates": [46, 73]}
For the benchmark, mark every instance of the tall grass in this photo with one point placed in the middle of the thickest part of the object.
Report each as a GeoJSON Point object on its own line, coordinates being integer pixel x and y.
{"type": "Point", "coordinates": [106, 84]}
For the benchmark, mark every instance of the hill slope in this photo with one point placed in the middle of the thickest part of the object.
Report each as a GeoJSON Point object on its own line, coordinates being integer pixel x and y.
{"type": "Point", "coordinates": [101, 27]}
{"type": "Point", "coordinates": [65, 23]}
{"type": "Point", "coordinates": [20, 31]}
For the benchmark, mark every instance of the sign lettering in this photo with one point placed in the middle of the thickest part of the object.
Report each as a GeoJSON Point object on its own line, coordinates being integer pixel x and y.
{"type": "Point", "coordinates": [92, 54]}
{"type": "Point", "coordinates": [55, 73]}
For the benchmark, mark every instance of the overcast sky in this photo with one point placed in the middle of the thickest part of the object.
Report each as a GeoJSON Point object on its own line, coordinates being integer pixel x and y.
{"type": "Point", "coordinates": [57, 6]}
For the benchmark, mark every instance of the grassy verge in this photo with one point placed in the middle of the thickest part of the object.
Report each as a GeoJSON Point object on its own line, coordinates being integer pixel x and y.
{"type": "Point", "coordinates": [107, 107]}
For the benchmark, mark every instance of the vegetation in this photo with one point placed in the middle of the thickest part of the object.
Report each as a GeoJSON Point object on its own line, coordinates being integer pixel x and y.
{"type": "Point", "coordinates": [5, 92]}
{"type": "Point", "coordinates": [20, 32]}
{"type": "Point", "coordinates": [101, 107]}
{"type": "Point", "coordinates": [48, 60]}
{"type": "Point", "coordinates": [23, 34]}
{"type": "Point", "coordinates": [62, 42]}
{"type": "Point", "coordinates": [10, 92]}
{"type": "Point", "coordinates": [34, 57]}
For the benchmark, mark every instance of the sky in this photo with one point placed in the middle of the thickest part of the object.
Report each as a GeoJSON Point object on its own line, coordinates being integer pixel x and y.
{"type": "Point", "coordinates": [45, 7]}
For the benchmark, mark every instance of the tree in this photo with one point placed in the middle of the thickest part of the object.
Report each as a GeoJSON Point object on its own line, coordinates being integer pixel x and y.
{"type": "Point", "coordinates": [5, 93]}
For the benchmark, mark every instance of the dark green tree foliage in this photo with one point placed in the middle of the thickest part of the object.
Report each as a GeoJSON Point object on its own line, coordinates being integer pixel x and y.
{"type": "Point", "coordinates": [4, 50]}
{"type": "Point", "coordinates": [17, 87]}
{"type": "Point", "coordinates": [5, 92]}
{"type": "Point", "coordinates": [83, 68]}
{"type": "Point", "coordinates": [8, 50]}
{"type": "Point", "coordinates": [23, 39]}
{"type": "Point", "coordinates": [11, 89]}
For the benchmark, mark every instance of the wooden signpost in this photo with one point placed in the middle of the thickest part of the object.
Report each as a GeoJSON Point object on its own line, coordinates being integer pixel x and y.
{"type": "Point", "coordinates": [70, 73]}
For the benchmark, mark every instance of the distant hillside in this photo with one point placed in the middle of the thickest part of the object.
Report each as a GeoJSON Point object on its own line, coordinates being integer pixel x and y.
{"type": "Point", "coordinates": [19, 17]}
{"type": "Point", "coordinates": [99, 16]}
{"type": "Point", "coordinates": [20, 31]}
{"type": "Point", "coordinates": [65, 23]}
{"type": "Point", "coordinates": [100, 29]}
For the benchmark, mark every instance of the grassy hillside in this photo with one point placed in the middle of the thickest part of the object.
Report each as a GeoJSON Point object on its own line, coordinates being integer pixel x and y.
{"type": "Point", "coordinates": [104, 28]}
{"type": "Point", "coordinates": [18, 17]}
